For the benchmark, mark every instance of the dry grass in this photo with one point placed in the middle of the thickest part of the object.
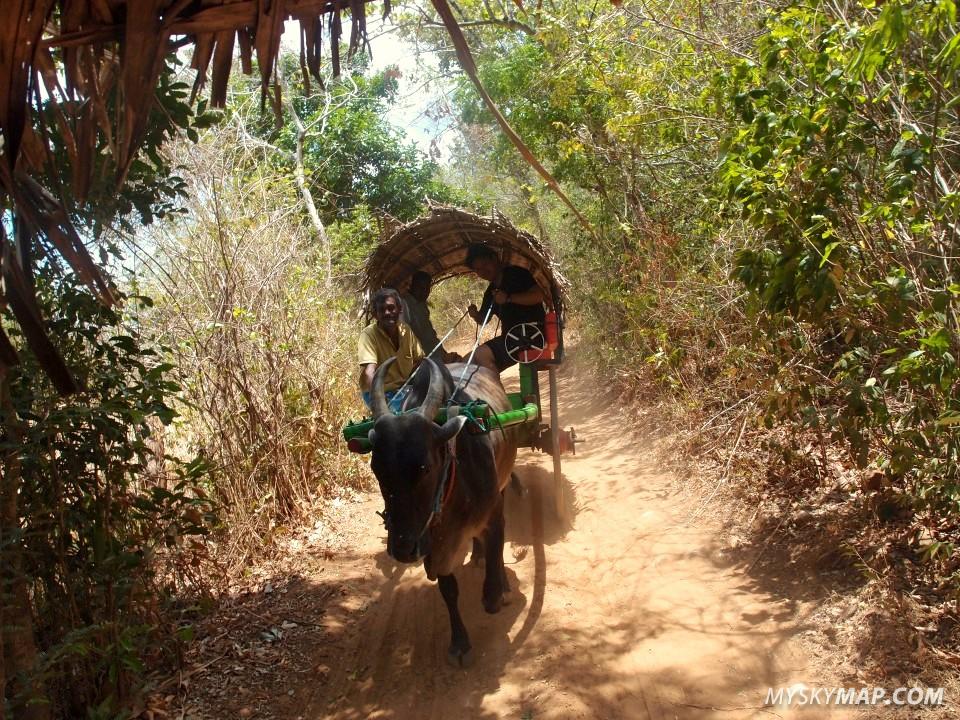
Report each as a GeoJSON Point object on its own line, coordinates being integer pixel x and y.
{"type": "Point", "coordinates": [263, 349]}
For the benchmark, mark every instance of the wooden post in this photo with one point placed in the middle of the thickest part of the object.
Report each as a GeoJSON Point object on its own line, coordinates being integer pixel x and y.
{"type": "Point", "coordinates": [555, 440]}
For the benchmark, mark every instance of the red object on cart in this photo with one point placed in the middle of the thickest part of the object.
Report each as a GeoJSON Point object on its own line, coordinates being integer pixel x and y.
{"type": "Point", "coordinates": [551, 328]}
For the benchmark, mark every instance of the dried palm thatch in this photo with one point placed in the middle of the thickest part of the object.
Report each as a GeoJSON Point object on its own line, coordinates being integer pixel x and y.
{"type": "Point", "coordinates": [93, 67]}
{"type": "Point", "coordinates": [437, 244]}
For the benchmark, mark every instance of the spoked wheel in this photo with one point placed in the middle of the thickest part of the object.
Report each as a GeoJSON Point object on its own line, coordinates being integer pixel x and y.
{"type": "Point", "coordinates": [525, 343]}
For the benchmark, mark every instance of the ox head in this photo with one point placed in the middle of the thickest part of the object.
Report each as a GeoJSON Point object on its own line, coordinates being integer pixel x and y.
{"type": "Point", "coordinates": [409, 460]}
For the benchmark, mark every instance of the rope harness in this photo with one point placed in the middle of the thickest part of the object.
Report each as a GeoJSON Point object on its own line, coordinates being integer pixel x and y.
{"type": "Point", "coordinates": [437, 347]}
{"type": "Point", "coordinates": [448, 478]}
{"type": "Point", "coordinates": [466, 365]}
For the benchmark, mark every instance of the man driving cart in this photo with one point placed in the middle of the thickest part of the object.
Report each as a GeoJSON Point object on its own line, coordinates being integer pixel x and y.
{"type": "Point", "coordinates": [512, 295]}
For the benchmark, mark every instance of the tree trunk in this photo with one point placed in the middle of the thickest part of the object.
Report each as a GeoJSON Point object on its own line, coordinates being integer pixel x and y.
{"type": "Point", "coordinates": [301, 180]}
{"type": "Point", "coordinates": [18, 661]}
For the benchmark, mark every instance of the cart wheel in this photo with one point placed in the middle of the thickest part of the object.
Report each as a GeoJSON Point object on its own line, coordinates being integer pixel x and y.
{"type": "Point", "coordinates": [555, 440]}
{"type": "Point", "coordinates": [525, 343]}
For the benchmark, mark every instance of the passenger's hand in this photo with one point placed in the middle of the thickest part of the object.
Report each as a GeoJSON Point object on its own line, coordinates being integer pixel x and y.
{"type": "Point", "coordinates": [474, 312]}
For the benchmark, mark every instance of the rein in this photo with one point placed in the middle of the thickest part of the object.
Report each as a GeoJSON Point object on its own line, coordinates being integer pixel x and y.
{"type": "Point", "coordinates": [448, 479]}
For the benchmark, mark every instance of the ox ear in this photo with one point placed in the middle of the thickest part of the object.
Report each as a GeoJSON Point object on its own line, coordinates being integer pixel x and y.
{"type": "Point", "coordinates": [450, 429]}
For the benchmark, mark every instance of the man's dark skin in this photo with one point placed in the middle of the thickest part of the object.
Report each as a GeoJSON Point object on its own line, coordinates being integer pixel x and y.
{"type": "Point", "coordinates": [489, 268]}
{"type": "Point", "coordinates": [388, 320]}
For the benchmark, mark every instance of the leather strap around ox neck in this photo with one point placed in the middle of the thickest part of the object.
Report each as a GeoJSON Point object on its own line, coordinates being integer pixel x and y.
{"type": "Point", "coordinates": [451, 477]}
{"type": "Point", "coordinates": [448, 479]}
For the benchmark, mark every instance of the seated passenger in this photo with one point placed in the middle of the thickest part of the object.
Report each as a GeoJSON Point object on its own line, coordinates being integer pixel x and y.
{"type": "Point", "coordinates": [512, 295]}
{"type": "Point", "coordinates": [416, 314]}
{"type": "Point", "coordinates": [384, 338]}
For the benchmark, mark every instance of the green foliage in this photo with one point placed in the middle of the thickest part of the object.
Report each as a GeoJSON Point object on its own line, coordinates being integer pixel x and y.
{"type": "Point", "coordinates": [841, 160]}
{"type": "Point", "coordinates": [774, 197]}
{"type": "Point", "coordinates": [103, 508]}
{"type": "Point", "coordinates": [357, 158]}
{"type": "Point", "coordinates": [152, 188]}
{"type": "Point", "coordinates": [354, 238]}
{"type": "Point", "coordinates": [616, 105]}
{"type": "Point", "coordinates": [624, 111]}
{"type": "Point", "coordinates": [358, 166]}
{"type": "Point", "coordinates": [109, 524]}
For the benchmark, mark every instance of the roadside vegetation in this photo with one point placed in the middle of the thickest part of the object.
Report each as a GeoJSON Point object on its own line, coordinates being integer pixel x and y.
{"type": "Point", "coordinates": [771, 257]}
{"type": "Point", "coordinates": [214, 394]}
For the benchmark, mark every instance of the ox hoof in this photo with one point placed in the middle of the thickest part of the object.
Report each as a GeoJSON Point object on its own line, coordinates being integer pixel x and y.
{"type": "Point", "coordinates": [460, 658]}
{"type": "Point", "coordinates": [493, 606]}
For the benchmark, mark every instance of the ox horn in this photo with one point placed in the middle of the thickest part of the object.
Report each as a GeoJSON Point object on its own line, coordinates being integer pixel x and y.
{"type": "Point", "coordinates": [378, 398]}
{"type": "Point", "coordinates": [431, 403]}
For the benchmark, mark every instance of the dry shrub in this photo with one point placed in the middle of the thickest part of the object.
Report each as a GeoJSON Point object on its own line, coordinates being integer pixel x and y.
{"type": "Point", "coordinates": [669, 325]}
{"type": "Point", "coordinates": [260, 342]}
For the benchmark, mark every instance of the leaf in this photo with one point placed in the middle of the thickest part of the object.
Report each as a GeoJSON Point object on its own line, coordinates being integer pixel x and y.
{"type": "Point", "coordinates": [826, 252]}
{"type": "Point", "coordinates": [949, 56]}
{"type": "Point", "coordinates": [939, 340]}
{"type": "Point", "coordinates": [948, 419]}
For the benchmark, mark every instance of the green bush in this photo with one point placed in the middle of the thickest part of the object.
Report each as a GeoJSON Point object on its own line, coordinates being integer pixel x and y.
{"type": "Point", "coordinates": [843, 161]}
{"type": "Point", "coordinates": [109, 524]}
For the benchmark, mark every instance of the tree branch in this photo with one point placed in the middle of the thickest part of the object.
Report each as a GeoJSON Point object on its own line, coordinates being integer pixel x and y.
{"type": "Point", "coordinates": [300, 178]}
{"type": "Point", "coordinates": [470, 68]}
{"type": "Point", "coordinates": [498, 22]}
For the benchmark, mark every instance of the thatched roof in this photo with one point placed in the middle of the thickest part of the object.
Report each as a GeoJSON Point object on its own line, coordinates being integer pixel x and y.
{"type": "Point", "coordinates": [94, 66]}
{"type": "Point", "coordinates": [437, 243]}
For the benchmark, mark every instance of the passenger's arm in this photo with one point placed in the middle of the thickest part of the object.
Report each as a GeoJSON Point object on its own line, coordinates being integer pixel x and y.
{"type": "Point", "coordinates": [479, 315]}
{"type": "Point", "coordinates": [429, 334]}
{"type": "Point", "coordinates": [366, 375]}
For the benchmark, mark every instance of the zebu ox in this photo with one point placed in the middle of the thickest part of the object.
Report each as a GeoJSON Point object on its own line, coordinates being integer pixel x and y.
{"type": "Point", "coordinates": [443, 487]}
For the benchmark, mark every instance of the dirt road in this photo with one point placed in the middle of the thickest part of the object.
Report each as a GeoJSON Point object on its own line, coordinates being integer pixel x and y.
{"type": "Point", "coordinates": [633, 612]}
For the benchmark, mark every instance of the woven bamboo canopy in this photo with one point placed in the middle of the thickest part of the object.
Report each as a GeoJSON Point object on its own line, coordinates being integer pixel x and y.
{"type": "Point", "coordinates": [437, 243]}
{"type": "Point", "coordinates": [88, 70]}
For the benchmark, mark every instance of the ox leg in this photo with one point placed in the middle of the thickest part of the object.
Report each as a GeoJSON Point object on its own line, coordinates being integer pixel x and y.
{"type": "Point", "coordinates": [459, 654]}
{"type": "Point", "coordinates": [494, 578]}
{"type": "Point", "coordinates": [518, 485]}
{"type": "Point", "coordinates": [476, 555]}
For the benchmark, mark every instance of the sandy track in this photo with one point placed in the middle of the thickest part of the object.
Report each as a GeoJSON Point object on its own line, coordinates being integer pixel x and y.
{"type": "Point", "coordinates": [630, 613]}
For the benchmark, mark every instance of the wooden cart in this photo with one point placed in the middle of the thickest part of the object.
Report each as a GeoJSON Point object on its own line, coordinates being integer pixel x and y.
{"type": "Point", "coordinates": [437, 244]}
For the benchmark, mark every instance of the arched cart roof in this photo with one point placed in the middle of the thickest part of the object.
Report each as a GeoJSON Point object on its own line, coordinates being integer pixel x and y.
{"type": "Point", "coordinates": [437, 243]}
